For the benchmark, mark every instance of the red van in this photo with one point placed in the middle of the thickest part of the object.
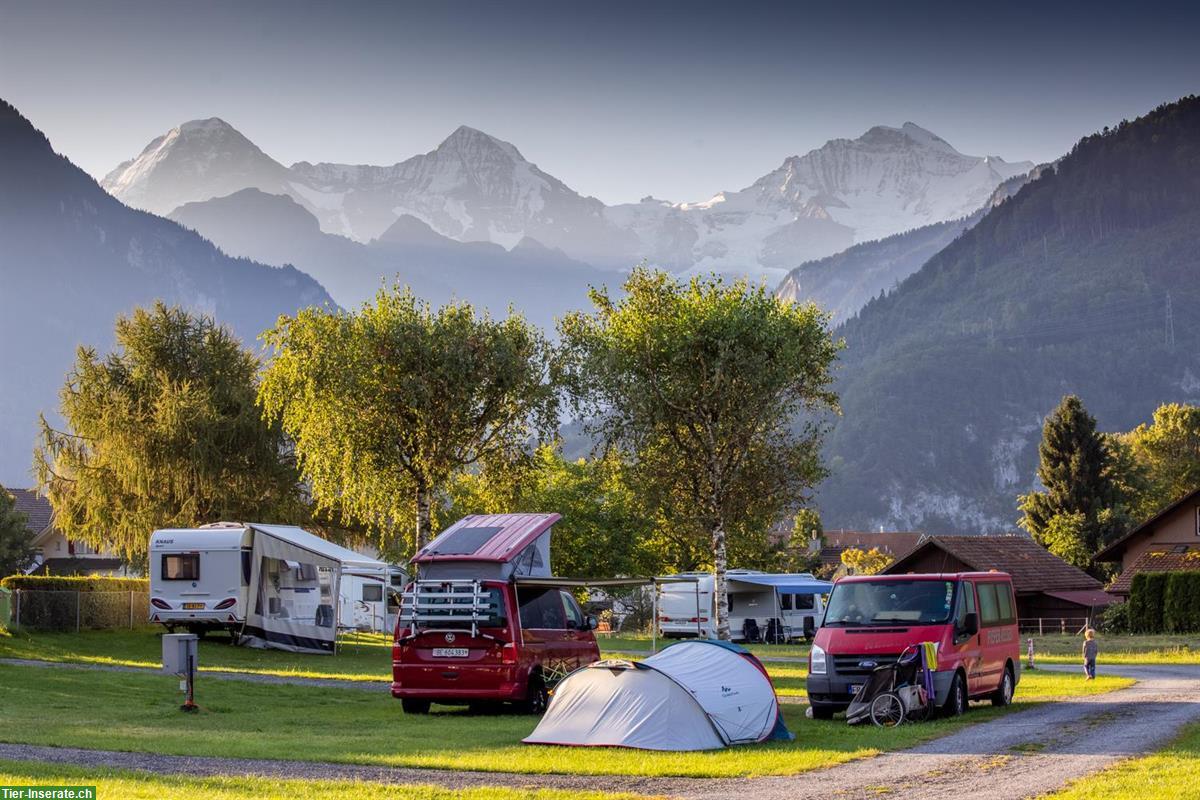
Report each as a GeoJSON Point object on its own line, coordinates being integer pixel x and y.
{"type": "Point", "coordinates": [480, 626]}
{"type": "Point", "coordinates": [870, 619]}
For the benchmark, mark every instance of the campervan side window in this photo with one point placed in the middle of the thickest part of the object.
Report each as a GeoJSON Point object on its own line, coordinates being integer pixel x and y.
{"type": "Point", "coordinates": [995, 604]}
{"type": "Point", "coordinates": [181, 567]}
{"type": "Point", "coordinates": [542, 608]}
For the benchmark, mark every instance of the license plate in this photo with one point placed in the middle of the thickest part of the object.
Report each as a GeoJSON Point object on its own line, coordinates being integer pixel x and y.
{"type": "Point", "coordinates": [192, 606]}
{"type": "Point", "coordinates": [451, 652]}
{"type": "Point", "coordinates": [854, 689]}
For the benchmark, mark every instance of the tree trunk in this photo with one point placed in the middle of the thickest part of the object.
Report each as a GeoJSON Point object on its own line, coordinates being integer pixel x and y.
{"type": "Point", "coordinates": [423, 523]}
{"type": "Point", "coordinates": [720, 584]}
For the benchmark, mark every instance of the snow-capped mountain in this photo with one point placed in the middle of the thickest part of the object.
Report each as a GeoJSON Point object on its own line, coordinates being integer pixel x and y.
{"type": "Point", "coordinates": [475, 187]}
{"type": "Point", "coordinates": [887, 181]}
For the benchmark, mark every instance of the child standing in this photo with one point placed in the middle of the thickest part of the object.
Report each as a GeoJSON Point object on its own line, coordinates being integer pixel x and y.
{"type": "Point", "coordinates": [1090, 648]}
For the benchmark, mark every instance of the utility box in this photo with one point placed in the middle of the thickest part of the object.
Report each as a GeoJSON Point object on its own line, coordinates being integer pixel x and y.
{"type": "Point", "coordinates": [179, 649]}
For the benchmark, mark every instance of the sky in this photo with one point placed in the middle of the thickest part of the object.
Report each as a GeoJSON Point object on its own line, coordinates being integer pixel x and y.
{"type": "Point", "coordinates": [618, 99]}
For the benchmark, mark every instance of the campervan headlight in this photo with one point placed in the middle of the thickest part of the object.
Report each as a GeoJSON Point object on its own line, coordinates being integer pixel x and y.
{"type": "Point", "coordinates": [816, 660]}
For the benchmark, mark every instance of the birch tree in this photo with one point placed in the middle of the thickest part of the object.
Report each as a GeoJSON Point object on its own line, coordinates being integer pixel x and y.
{"type": "Point", "coordinates": [387, 404]}
{"type": "Point", "coordinates": [704, 383]}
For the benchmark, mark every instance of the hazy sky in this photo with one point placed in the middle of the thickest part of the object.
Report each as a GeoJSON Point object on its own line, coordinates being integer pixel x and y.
{"type": "Point", "coordinates": [620, 100]}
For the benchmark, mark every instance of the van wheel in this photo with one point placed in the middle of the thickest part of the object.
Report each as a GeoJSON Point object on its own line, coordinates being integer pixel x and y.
{"type": "Point", "coordinates": [415, 705]}
{"type": "Point", "coordinates": [956, 701]}
{"type": "Point", "coordinates": [820, 712]}
{"type": "Point", "coordinates": [536, 697]}
{"type": "Point", "coordinates": [1004, 693]}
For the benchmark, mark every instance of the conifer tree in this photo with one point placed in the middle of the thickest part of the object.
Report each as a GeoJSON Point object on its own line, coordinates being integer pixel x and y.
{"type": "Point", "coordinates": [16, 542]}
{"type": "Point", "coordinates": [1075, 511]}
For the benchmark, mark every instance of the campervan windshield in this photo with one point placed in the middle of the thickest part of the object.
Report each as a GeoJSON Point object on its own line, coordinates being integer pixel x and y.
{"type": "Point", "coordinates": [890, 602]}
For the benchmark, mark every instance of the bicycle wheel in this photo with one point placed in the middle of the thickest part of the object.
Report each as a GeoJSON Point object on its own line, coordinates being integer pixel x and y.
{"type": "Point", "coordinates": [887, 710]}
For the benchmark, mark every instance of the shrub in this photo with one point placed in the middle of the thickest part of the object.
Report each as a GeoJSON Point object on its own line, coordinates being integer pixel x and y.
{"type": "Point", "coordinates": [1115, 618]}
{"type": "Point", "coordinates": [54, 583]}
{"type": "Point", "coordinates": [1181, 603]}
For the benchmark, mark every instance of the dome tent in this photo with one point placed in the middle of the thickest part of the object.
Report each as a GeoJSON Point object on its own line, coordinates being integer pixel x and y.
{"type": "Point", "coordinates": [695, 695]}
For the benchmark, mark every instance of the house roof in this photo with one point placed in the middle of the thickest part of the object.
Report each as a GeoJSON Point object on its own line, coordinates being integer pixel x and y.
{"type": "Point", "coordinates": [1090, 598]}
{"type": "Point", "coordinates": [1169, 558]}
{"type": "Point", "coordinates": [35, 507]}
{"type": "Point", "coordinates": [893, 543]}
{"type": "Point", "coordinates": [1115, 550]}
{"type": "Point", "coordinates": [1033, 568]}
{"type": "Point", "coordinates": [486, 537]}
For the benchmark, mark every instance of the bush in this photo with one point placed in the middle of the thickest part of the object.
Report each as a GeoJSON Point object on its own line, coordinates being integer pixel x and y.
{"type": "Point", "coordinates": [1165, 602]}
{"type": "Point", "coordinates": [1146, 595]}
{"type": "Point", "coordinates": [68, 603]}
{"type": "Point", "coordinates": [1181, 604]}
{"type": "Point", "coordinates": [53, 583]}
{"type": "Point", "coordinates": [1115, 618]}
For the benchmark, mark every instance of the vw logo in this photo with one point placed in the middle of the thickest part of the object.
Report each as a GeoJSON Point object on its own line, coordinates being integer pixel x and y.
{"type": "Point", "coordinates": [449, 638]}
{"type": "Point", "coordinates": [868, 664]}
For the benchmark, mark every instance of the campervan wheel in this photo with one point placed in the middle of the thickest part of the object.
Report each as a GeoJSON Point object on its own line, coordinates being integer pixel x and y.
{"type": "Point", "coordinates": [887, 710]}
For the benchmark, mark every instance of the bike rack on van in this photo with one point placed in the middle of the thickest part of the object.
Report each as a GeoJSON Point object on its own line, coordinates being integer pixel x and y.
{"type": "Point", "coordinates": [431, 602]}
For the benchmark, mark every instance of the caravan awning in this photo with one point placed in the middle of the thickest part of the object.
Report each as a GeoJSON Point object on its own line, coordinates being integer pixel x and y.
{"type": "Point", "coordinates": [304, 540]}
{"type": "Point", "coordinates": [787, 584]}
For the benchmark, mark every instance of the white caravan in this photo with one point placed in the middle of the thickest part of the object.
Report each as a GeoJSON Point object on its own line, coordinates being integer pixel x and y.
{"type": "Point", "coordinates": [269, 585]}
{"type": "Point", "coordinates": [369, 600]}
{"type": "Point", "coordinates": [756, 598]}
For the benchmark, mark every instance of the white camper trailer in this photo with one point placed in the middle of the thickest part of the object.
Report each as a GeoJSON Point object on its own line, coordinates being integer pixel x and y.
{"type": "Point", "coordinates": [685, 610]}
{"type": "Point", "coordinates": [269, 585]}
{"type": "Point", "coordinates": [370, 600]}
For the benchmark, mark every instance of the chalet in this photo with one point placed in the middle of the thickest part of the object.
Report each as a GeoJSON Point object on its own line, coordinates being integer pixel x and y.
{"type": "Point", "coordinates": [54, 553]}
{"type": "Point", "coordinates": [1046, 586]}
{"type": "Point", "coordinates": [1167, 542]}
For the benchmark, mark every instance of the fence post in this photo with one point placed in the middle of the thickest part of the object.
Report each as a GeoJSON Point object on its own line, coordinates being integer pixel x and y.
{"type": "Point", "coordinates": [1040, 633]}
{"type": "Point", "coordinates": [1031, 666]}
{"type": "Point", "coordinates": [130, 609]}
{"type": "Point", "coordinates": [77, 611]}
{"type": "Point", "coordinates": [17, 621]}
{"type": "Point", "coordinates": [1063, 627]}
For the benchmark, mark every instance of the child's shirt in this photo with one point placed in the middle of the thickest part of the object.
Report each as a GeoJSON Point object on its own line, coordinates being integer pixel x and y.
{"type": "Point", "coordinates": [1090, 648]}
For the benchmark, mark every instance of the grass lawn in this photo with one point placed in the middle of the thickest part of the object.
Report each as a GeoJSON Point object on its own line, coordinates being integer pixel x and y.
{"type": "Point", "coordinates": [145, 786]}
{"type": "Point", "coordinates": [1118, 649]}
{"type": "Point", "coordinates": [1172, 772]}
{"type": "Point", "coordinates": [128, 711]}
{"type": "Point", "coordinates": [361, 657]}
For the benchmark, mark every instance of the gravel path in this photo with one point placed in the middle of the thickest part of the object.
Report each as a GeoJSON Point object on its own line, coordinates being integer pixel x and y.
{"type": "Point", "coordinates": [1020, 755]}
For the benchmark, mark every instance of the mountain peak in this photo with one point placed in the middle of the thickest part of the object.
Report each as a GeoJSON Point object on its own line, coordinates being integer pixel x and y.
{"type": "Point", "coordinates": [210, 125]}
{"type": "Point", "coordinates": [910, 131]}
{"type": "Point", "coordinates": [466, 141]}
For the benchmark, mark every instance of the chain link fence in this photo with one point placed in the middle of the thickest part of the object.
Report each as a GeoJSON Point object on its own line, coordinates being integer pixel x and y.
{"type": "Point", "coordinates": [78, 611]}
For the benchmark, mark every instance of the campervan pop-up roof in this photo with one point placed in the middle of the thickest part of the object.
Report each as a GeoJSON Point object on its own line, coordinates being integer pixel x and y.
{"type": "Point", "coordinates": [490, 546]}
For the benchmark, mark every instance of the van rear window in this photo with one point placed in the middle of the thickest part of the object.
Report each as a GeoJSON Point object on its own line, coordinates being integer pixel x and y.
{"type": "Point", "coordinates": [181, 567]}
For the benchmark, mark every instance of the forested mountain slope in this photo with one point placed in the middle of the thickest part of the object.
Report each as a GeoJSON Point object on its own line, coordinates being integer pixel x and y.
{"type": "Point", "coordinates": [1086, 281]}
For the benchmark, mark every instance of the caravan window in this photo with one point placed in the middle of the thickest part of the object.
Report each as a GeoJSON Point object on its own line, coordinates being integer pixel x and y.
{"type": "Point", "coordinates": [372, 592]}
{"type": "Point", "coordinates": [795, 602]}
{"type": "Point", "coordinates": [181, 567]}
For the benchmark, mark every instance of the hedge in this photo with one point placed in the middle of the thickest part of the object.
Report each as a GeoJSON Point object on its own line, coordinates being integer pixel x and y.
{"type": "Point", "coordinates": [55, 583]}
{"type": "Point", "coordinates": [73, 603]}
{"type": "Point", "coordinates": [1165, 602]}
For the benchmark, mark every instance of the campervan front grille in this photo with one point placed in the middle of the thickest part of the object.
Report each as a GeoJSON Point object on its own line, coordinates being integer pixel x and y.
{"type": "Point", "coordinates": [863, 664]}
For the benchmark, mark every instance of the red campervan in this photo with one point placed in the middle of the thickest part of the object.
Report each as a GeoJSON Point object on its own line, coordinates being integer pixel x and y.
{"type": "Point", "coordinates": [485, 622]}
{"type": "Point", "coordinates": [869, 620]}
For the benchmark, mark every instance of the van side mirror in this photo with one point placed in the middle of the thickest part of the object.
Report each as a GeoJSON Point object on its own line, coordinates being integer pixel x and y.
{"type": "Point", "coordinates": [590, 623]}
{"type": "Point", "coordinates": [971, 624]}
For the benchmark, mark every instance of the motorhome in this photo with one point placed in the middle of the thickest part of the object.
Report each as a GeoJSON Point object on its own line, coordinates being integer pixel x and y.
{"type": "Point", "coordinates": [485, 622]}
{"type": "Point", "coordinates": [970, 617]}
{"type": "Point", "coordinates": [755, 599]}
{"type": "Point", "coordinates": [268, 585]}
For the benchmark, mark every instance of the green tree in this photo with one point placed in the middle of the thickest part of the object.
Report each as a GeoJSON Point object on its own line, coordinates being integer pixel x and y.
{"type": "Point", "coordinates": [163, 432]}
{"type": "Point", "coordinates": [1166, 455]}
{"type": "Point", "coordinates": [604, 531]}
{"type": "Point", "coordinates": [703, 384]}
{"type": "Point", "coordinates": [387, 404]}
{"type": "Point", "coordinates": [16, 541]}
{"type": "Point", "coordinates": [807, 539]}
{"type": "Point", "coordinates": [1074, 514]}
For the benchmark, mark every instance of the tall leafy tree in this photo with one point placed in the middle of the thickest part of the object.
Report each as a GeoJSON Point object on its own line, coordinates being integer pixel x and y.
{"type": "Point", "coordinates": [387, 404]}
{"type": "Point", "coordinates": [703, 383]}
{"type": "Point", "coordinates": [16, 541]}
{"type": "Point", "coordinates": [163, 432]}
{"type": "Point", "coordinates": [1165, 457]}
{"type": "Point", "coordinates": [1075, 471]}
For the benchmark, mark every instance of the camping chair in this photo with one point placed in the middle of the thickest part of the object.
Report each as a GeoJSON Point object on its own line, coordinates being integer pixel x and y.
{"type": "Point", "coordinates": [776, 633]}
{"type": "Point", "coordinates": [750, 630]}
